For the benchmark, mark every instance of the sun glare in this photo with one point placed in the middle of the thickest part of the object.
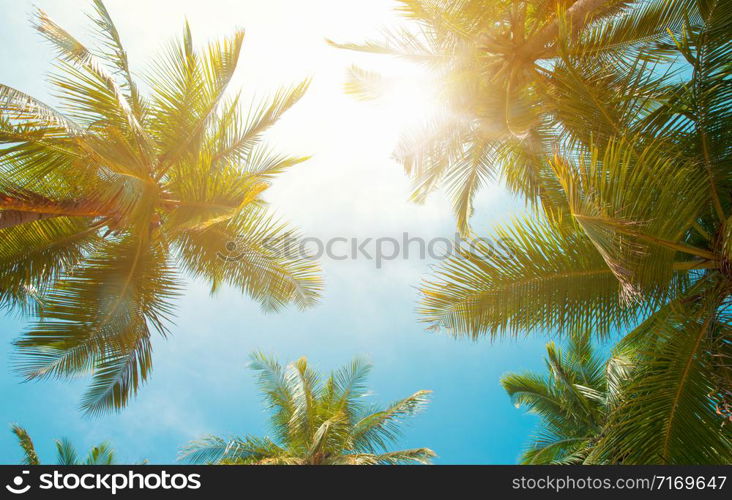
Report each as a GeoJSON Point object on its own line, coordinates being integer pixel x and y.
{"type": "Point", "coordinates": [410, 100]}
{"type": "Point", "coordinates": [403, 99]}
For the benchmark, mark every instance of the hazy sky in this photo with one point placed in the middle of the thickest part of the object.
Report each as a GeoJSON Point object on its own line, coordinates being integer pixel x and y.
{"type": "Point", "coordinates": [350, 188]}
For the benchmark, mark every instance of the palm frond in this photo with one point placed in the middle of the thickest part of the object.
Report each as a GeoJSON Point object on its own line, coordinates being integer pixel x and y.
{"type": "Point", "coordinates": [30, 457]}
{"type": "Point", "coordinates": [414, 456]}
{"type": "Point", "coordinates": [345, 387]}
{"type": "Point", "coordinates": [666, 414]}
{"type": "Point", "coordinates": [34, 256]}
{"type": "Point", "coordinates": [102, 454]}
{"type": "Point", "coordinates": [115, 52]}
{"type": "Point", "coordinates": [188, 89]}
{"type": "Point", "coordinates": [66, 453]}
{"type": "Point", "coordinates": [305, 388]}
{"type": "Point", "coordinates": [626, 199]}
{"type": "Point", "coordinates": [99, 319]}
{"type": "Point", "coordinates": [537, 275]}
{"type": "Point", "coordinates": [92, 86]}
{"type": "Point", "coordinates": [235, 136]}
{"type": "Point", "coordinates": [214, 450]}
{"type": "Point", "coordinates": [254, 253]}
{"type": "Point", "coordinates": [17, 105]}
{"type": "Point", "coordinates": [277, 392]}
{"type": "Point", "coordinates": [376, 430]}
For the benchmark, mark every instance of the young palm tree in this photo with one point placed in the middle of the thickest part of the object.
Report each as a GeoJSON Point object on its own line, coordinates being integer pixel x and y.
{"type": "Point", "coordinates": [317, 422]}
{"type": "Point", "coordinates": [66, 454]}
{"type": "Point", "coordinates": [573, 401]}
{"type": "Point", "coordinates": [638, 189]}
{"type": "Point", "coordinates": [104, 202]}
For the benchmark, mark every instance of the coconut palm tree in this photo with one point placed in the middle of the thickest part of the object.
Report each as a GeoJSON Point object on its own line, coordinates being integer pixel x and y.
{"type": "Point", "coordinates": [317, 422]}
{"type": "Point", "coordinates": [574, 400]}
{"type": "Point", "coordinates": [638, 236]}
{"type": "Point", "coordinates": [515, 80]}
{"type": "Point", "coordinates": [66, 453]}
{"type": "Point", "coordinates": [108, 201]}
{"type": "Point", "coordinates": [643, 249]}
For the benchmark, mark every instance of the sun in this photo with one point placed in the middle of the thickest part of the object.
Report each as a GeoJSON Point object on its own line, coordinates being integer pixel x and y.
{"type": "Point", "coordinates": [411, 99]}
{"type": "Point", "coordinates": [404, 97]}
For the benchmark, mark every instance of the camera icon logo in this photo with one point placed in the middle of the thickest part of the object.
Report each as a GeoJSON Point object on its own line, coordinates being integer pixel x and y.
{"type": "Point", "coordinates": [17, 488]}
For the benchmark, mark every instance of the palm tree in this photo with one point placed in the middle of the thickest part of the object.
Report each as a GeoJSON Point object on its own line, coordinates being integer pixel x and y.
{"type": "Point", "coordinates": [516, 79]}
{"type": "Point", "coordinates": [66, 454]}
{"type": "Point", "coordinates": [573, 400]}
{"type": "Point", "coordinates": [642, 248]}
{"type": "Point", "coordinates": [637, 238]}
{"type": "Point", "coordinates": [317, 422]}
{"type": "Point", "coordinates": [104, 203]}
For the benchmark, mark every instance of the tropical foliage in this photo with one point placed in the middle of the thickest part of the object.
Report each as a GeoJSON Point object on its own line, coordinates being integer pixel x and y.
{"type": "Point", "coordinates": [612, 118]}
{"type": "Point", "coordinates": [66, 453]}
{"type": "Point", "coordinates": [317, 421]}
{"type": "Point", "coordinates": [109, 201]}
{"type": "Point", "coordinates": [573, 400]}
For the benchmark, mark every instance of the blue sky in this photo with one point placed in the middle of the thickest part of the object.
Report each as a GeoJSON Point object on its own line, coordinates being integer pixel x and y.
{"type": "Point", "coordinates": [350, 188]}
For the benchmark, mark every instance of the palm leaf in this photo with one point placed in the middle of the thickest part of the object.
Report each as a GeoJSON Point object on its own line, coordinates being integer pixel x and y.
{"type": "Point", "coordinates": [102, 454]}
{"type": "Point", "coordinates": [376, 430]}
{"type": "Point", "coordinates": [666, 415]}
{"type": "Point", "coordinates": [99, 319]}
{"type": "Point", "coordinates": [66, 453]}
{"type": "Point", "coordinates": [625, 198]}
{"type": "Point", "coordinates": [538, 275]}
{"type": "Point", "coordinates": [30, 457]}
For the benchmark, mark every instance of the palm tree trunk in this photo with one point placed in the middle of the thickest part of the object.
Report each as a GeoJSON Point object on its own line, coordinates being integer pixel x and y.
{"type": "Point", "coordinates": [10, 218]}
{"type": "Point", "coordinates": [15, 211]}
{"type": "Point", "coordinates": [578, 15]}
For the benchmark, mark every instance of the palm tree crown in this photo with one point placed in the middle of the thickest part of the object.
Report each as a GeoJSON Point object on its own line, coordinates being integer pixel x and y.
{"type": "Point", "coordinates": [317, 422]}
{"type": "Point", "coordinates": [573, 400]}
{"type": "Point", "coordinates": [516, 79]}
{"type": "Point", "coordinates": [104, 202]}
